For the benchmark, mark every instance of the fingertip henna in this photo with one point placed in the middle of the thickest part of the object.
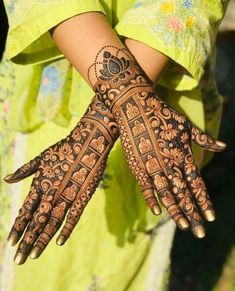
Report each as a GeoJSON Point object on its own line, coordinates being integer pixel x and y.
{"type": "Point", "coordinates": [70, 168]}
{"type": "Point", "coordinates": [209, 215]}
{"type": "Point", "coordinates": [199, 231]}
{"type": "Point", "coordinates": [23, 172]}
{"type": "Point", "coordinates": [151, 201]}
{"type": "Point", "coordinates": [12, 239]}
{"type": "Point", "coordinates": [156, 210]}
{"type": "Point", "coordinates": [60, 241]}
{"type": "Point", "coordinates": [205, 141]}
{"type": "Point", "coordinates": [183, 224]}
{"type": "Point", "coordinates": [19, 259]}
{"type": "Point", "coordinates": [155, 138]}
{"type": "Point", "coordinates": [8, 178]}
{"type": "Point", "coordinates": [80, 202]}
{"type": "Point", "coordinates": [221, 145]}
{"type": "Point", "coordinates": [35, 252]}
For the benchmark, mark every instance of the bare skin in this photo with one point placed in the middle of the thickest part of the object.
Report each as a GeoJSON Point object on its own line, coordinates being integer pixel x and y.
{"type": "Point", "coordinates": [80, 46]}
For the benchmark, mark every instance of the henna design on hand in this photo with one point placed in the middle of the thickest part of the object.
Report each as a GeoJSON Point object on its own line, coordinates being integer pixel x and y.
{"type": "Point", "coordinates": [66, 176]}
{"type": "Point", "coordinates": [156, 140]}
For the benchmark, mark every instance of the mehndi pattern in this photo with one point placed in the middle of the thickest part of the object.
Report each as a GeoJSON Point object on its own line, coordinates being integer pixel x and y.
{"type": "Point", "coordinates": [156, 139]}
{"type": "Point", "coordinates": [66, 176]}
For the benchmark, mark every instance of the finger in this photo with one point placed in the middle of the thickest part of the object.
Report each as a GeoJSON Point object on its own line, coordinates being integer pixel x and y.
{"type": "Point", "coordinates": [29, 206]}
{"type": "Point", "coordinates": [79, 203]}
{"type": "Point", "coordinates": [151, 199]}
{"type": "Point", "coordinates": [34, 229]}
{"type": "Point", "coordinates": [198, 188]}
{"type": "Point", "coordinates": [186, 203]}
{"type": "Point", "coordinates": [143, 178]}
{"type": "Point", "coordinates": [168, 201]}
{"type": "Point", "coordinates": [205, 141]}
{"type": "Point", "coordinates": [23, 172]}
{"type": "Point", "coordinates": [74, 215]}
{"type": "Point", "coordinates": [139, 169]}
{"type": "Point", "coordinates": [56, 218]}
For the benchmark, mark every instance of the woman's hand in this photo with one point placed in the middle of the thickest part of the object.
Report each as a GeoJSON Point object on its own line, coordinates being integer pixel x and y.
{"type": "Point", "coordinates": [66, 176]}
{"type": "Point", "coordinates": [156, 140]}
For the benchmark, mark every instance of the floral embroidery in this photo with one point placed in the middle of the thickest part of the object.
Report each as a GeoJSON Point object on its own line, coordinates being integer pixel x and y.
{"type": "Point", "coordinates": [167, 7]}
{"type": "Point", "coordinates": [178, 24]}
{"type": "Point", "coordinates": [50, 82]}
{"type": "Point", "coordinates": [95, 285]}
{"type": "Point", "coordinates": [17, 10]}
{"type": "Point", "coordinates": [52, 91]}
{"type": "Point", "coordinates": [138, 4]}
{"type": "Point", "coordinates": [187, 3]}
{"type": "Point", "coordinates": [190, 21]}
{"type": "Point", "coordinates": [10, 6]}
{"type": "Point", "coordinates": [175, 24]}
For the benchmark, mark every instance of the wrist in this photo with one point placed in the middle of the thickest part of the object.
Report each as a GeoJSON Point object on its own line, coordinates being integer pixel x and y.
{"type": "Point", "coordinates": [118, 77]}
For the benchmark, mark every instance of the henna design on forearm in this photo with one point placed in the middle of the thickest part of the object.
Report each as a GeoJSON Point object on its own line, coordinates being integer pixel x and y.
{"type": "Point", "coordinates": [66, 173]}
{"type": "Point", "coordinates": [156, 139]}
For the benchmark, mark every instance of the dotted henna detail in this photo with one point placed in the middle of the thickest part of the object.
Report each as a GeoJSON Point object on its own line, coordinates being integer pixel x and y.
{"type": "Point", "coordinates": [81, 201]}
{"type": "Point", "coordinates": [155, 138]}
{"type": "Point", "coordinates": [134, 164]}
{"type": "Point", "coordinates": [64, 171]}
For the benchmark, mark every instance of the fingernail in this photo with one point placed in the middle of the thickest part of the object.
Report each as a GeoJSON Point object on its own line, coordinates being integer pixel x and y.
{"type": "Point", "coordinates": [12, 239]}
{"type": "Point", "coordinates": [35, 252]}
{"type": "Point", "coordinates": [157, 210]}
{"type": "Point", "coordinates": [210, 215]}
{"type": "Point", "coordinates": [221, 144]}
{"type": "Point", "coordinates": [60, 240]}
{"type": "Point", "coordinates": [8, 177]}
{"type": "Point", "coordinates": [183, 223]}
{"type": "Point", "coordinates": [19, 259]}
{"type": "Point", "coordinates": [199, 231]}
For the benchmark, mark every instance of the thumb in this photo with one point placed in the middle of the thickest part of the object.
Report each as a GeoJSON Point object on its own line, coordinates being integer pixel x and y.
{"type": "Point", "coordinates": [205, 141]}
{"type": "Point", "coordinates": [23, 172]}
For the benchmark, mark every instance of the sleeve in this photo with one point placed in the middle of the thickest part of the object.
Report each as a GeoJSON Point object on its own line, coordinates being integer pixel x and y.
{"type": "Point", "coordinates": [28, 38]}
{"type": "Point", "coordinates": [183, 30]}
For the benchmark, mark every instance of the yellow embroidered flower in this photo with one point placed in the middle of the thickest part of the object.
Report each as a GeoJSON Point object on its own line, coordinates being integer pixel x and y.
{"type": "Point", "coordinates": [190, 22]}
{"type": "Point", "coordinates": [167, 7]}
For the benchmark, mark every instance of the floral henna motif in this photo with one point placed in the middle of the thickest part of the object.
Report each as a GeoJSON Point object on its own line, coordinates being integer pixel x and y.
{"type": "Point", "coordinates": [156, 139]}
{"type": "Point", "coordinates": [66, 173]}
{"type": "Point", "coordinates": [78, 206]}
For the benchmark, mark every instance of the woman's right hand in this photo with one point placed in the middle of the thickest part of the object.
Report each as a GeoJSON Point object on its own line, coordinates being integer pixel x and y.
{"type": "Point", "coordinates": [66, 176]}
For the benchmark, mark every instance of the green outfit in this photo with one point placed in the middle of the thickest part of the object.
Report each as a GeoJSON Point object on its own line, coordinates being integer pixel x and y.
{"type": "Point", "coordinates": [113, 247]}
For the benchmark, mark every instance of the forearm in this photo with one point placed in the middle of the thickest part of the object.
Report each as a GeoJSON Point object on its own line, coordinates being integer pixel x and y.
{"type": "Point", "coordinates": [81, 37]}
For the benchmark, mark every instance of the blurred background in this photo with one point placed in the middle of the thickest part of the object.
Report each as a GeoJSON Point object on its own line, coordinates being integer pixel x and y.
{"type": "Point", "coordinates": [208, 264]}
